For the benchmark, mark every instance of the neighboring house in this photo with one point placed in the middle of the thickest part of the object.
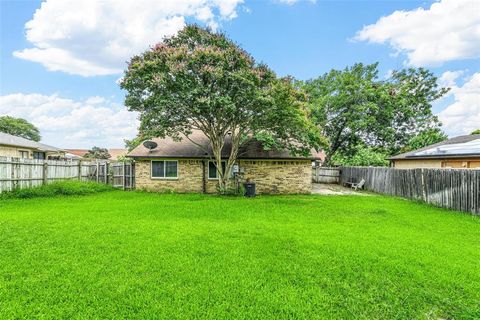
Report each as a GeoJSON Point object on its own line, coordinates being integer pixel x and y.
{"type": "Point", "coordinates": [80, 153]}
{"type": "Point", "coordinates": [461, 152]}
{"type": "Point", "coordinates": [18, 147]}
{"type": "Point", "coordinates": [185, 167]}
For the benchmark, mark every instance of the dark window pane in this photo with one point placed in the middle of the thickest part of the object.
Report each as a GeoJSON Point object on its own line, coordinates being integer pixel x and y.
{"type": "Point", "coordinates": [212, 170]}
{"type": "Point", "coordinates": [171, 169]}
{"type": "Point", "coordinates": [39, 155]}
{"type": "Point", "coordinates": [158, 169]}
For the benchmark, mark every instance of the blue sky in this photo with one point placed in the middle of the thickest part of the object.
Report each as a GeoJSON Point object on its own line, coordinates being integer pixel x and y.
{"type": "Point", "coordinates": [56, 72]}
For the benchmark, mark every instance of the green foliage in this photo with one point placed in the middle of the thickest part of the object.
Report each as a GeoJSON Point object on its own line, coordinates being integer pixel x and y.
{"type": "Point", "coordinates": [354, 107]}
{"type": "Point", "coordinates": [57, 188]}
{"type": "Point", "coordinates": [425, 138]}
{"type": "Point", "coordinates": [19, 127]}
{"type": "Point", "coordinates": [201, 80]}
{"type": "Point", "coordinates": [97, 153]}
{"type": "Point", "coordinates": [133, 143]}
{"type": "Point", "coordinates": [135, 255]}
{"type": "Point", "coordinates": [363, 156]}
{"type": "Point", "coordinates": [476, 131]}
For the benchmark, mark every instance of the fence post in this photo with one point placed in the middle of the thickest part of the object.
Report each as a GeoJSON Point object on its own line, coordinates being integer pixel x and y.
{"type": "Point", "coordinates": [131, 175]}
{"type": "Point", "coordinates": [106, 173]}
{"type": "Point", "coordinates": [79, 170]}
{"type": "Point", "coordinates": [123, 176]}
{"type": "Point", "coordinates": [45, 172]}
{"type": "Point", "coordinates": [98, 169]}
{"type": "Point", "coordinates": [14, 183]}
{"type": "Point", "coordinates": [424, 192]}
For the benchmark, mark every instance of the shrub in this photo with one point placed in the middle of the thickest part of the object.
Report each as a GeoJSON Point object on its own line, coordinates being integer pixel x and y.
{"type": "Point", "coordinates": [58, 188]}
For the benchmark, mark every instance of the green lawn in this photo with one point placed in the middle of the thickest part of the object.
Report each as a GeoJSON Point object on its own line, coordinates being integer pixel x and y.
{"type": "Point", "coordinates": [139, 255]}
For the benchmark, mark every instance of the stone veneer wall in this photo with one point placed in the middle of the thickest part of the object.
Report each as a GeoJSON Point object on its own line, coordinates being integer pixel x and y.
{"type": "Point", "coordinates": [189, 178]}
{"type": "Point", "coordinates": [270, 176]}
{"type": "Point", "coordinates": [279, 176]}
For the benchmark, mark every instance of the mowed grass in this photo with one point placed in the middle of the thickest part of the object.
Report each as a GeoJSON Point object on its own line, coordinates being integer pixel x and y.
{"type": "Point", "coordinates": [142, 255]}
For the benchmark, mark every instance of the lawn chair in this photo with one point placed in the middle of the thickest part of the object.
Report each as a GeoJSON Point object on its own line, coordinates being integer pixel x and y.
{"type": "Point", "coordinates": [359, 185]}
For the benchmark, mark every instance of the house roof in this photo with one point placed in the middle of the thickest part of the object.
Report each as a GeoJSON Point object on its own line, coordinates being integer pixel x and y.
{"type": "Point", "coordinates": [167, 148]}
{"type": "Point", "coordinates": [457, 147]}
{"type": "Point", "coordinates": [114, 153]}
{"type": "Point", "coordinates": [77, 152]}
{"type": "Point", "coordinates": [10, 140]}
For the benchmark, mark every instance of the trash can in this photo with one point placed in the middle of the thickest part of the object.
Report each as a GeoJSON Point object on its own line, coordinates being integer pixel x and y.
{"type": "Point", "coordinates": [249, 189]}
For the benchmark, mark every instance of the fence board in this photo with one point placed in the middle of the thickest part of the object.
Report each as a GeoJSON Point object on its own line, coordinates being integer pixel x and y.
{"type": "Point", "coordinates": [457, 189]}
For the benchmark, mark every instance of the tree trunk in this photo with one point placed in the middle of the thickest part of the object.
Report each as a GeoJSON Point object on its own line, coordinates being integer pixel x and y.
{"type": "Point", "coordinates": [217, 146]}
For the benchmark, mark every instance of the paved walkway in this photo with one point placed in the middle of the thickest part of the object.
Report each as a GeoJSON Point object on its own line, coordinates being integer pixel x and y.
{"type": "Point", "coordinates": [334, 189]}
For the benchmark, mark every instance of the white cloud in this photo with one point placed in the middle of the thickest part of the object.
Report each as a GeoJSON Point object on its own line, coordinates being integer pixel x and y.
{"type": "Point", "coordinates": [449, 30]}
{"type": "Point", "coordinates": [92, 37]}
{"type": "Point", "coordinates": [463, 115]}
{"type": "Point", "coordinates": [291, 2]}
{"type": "Point", "coordinates": [67, 123]}
{"type": "Point", "coordinates": [449, 78]}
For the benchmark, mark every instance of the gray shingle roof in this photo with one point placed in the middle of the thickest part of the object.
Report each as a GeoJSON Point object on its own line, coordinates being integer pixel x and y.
{"type": "Point", "coordinates": [423, 154]}
{"type": "Point", "coordinates": [10, 140]}
{"type": "Point", "coordinates": [167, 148]}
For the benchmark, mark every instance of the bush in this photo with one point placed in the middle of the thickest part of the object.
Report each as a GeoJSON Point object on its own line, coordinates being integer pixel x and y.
{"type": "Point", "coordinates": [58, 188]}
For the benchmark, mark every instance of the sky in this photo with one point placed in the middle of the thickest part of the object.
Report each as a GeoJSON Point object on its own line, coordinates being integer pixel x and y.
{"type": "Point", "coordinates": [61, 60]}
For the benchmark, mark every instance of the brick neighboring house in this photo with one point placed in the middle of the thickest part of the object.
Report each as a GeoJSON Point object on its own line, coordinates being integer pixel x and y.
{"type": "Point", "coordinates": [184, 167]}
{"type": "Point", "coordinates": [462, 152]}
{"type": "Point", "coordinates": [18, 147]}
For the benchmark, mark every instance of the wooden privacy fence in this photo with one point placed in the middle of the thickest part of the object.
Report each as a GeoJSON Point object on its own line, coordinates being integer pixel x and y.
{"type": "Point", "coordinates": [26, 173]}
{"type": "Point", "coordinates": [457, 189]}
{"type": "Point", "coordinates": [326, 175]}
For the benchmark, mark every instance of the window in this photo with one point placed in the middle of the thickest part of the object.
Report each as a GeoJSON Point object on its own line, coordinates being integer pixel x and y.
{"type": "Point", "coordinates": [212, 169]}
{"type": "Point", "coordinates": [39, 155]}
{"type": "Point", "coordinates": [165, 169]}
{"type": "Point", "coordinates": [23, 154]}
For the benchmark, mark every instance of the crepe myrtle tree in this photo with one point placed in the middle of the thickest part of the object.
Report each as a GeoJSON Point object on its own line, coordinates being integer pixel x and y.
{"type": "Point", "coordinates": [201, 80]}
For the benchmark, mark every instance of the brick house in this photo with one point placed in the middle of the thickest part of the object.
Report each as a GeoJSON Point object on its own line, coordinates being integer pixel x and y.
{"type": "Point", "coordinates": [462, 152]}
{"type": "Point", "coordinates": [186, 168]}
{"type": "Point", "coordinates": [18, 147]}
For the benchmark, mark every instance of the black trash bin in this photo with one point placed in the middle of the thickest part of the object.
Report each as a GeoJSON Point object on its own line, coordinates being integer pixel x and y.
{"type": "Point", "coordinates": [249, 189]}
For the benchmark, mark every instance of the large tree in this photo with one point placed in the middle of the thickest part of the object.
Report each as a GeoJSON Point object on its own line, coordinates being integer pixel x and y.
{"type": "Point", "coordinates": [201, 80]}
{"type": "Point", "coordinates": [355, 109]}
{"type": "Point", "coordinates": [425, 138]}
{"type": "Point", "coordinates": [97, 153]}
{"type": "Point", "coordinates": [19, 127]}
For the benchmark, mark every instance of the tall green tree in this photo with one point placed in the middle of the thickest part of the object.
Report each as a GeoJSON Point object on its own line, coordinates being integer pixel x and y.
{"type": "Point", "coordinates": [97, 153]}
{"type": "Point", "coordinates": [353, 108]}
{"type": "Point", "coordinates": [19, 127]}
{"type": "Point", "coordinates": [425, 138]}
{"type": "Point", "coordinates": [131, 144]}
{"type": "Point", "coordinates": [201, 80]}
{"type": "Point", "coordinates": [363, 156]}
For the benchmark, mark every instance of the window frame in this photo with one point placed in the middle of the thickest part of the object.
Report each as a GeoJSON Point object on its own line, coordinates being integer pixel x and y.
{"type": "Point", "coordinates": [216, 173]}
{"type": "Point", "coordinates": [164, 170]}
{"type": "Point", "coordinates": [22, 152]}
{"type": "Point", "coordinates": [39, 152]}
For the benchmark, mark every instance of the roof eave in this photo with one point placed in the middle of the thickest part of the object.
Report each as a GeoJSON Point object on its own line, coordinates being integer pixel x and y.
{"type": "Point", "coordinates": [240, 158]}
